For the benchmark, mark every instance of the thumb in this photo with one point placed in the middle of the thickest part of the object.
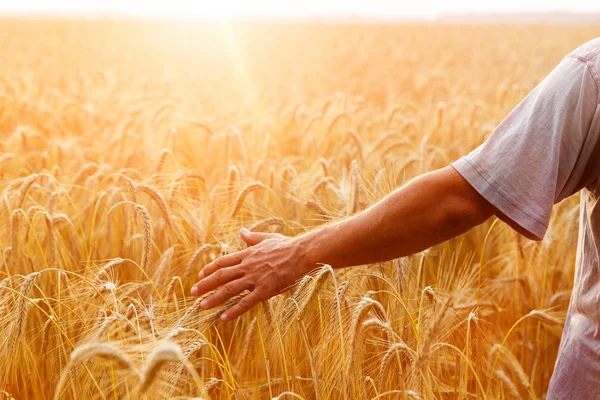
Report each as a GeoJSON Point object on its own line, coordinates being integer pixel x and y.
{"type": "Point", "coordinates": [252, 238]}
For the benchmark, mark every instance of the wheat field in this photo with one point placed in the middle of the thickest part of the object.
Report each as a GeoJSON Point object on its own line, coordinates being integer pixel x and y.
{"type": "Point", "coordinates": [132, 153]}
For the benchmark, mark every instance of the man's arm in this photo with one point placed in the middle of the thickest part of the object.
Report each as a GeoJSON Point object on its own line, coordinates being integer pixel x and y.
{"type": "Point", "coordinates": [429, 210]}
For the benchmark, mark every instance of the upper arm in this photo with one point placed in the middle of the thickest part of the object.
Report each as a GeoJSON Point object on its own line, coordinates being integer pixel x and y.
{"type": "Point", "coordinates": [533, 158]}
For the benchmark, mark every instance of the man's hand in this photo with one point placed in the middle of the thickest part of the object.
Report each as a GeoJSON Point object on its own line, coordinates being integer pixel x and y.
{"type": "Point", "coordinates": [272, 264]}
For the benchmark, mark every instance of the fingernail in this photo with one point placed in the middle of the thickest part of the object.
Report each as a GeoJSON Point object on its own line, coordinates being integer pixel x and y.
{"type": "Point", "coordinates": [203, 304]}
{"type": "Point", "coordinates": [201, 274]}
{"type": "Point", "coordinates": [224, 317]}
{"type": "Point", "coordinates": [244, 230]}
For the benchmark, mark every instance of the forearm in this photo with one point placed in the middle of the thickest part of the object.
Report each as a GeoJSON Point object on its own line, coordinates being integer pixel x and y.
{"type": "Point", "coordinates": [429, 210]}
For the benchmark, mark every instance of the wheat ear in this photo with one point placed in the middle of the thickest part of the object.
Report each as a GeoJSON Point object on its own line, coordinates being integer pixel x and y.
{"type": "Point", "coordinates": [163, 353]}
{"type": "Point", "coordinates": [319, 278]}
{"type": "Point", "coordinates": [161, 159]}
{"type": "Point", "coordinates": [46, 336]}
{"type": "Point", "coordinates": [365, 304]}
{"type": "Point", "coordinates": [84, 172]}
{"type": "Point", "coordinates": [427, 340]}
{"type": "Point", "coordinates": [163, 266]}
{"type": "Point", "coordinates": [392, 350]}
{"type": "Point", "coordinates": [194, 259]}
{"type": "Point", "coordinates": [104, 272]}
{"type": "Point", "coordinates": [545, 317]}
{"type": "Point", "coordinates": [158, 199]}
{"type": "Point", "coordinates": [513, 364]}
{"type": "Point", "coordinates": [147, 222]}
{"type": "Point", "coordinates": [233, 175]}
{"type": "Point", "coordinates": [51, 240]}
{"type": "Point", "coordinates": [14, 238]}
{"type": "Point", "coordinates": [239, 201]}
{"type": "Point", "coordinates": [335, 120]}
{"type": "Point", "coordinates": [355, 182]}
{"type": "Point", "coordinates": [89, 350]}
{"type": "Point", "coordinates": [23, 190]}
{"type": "Point", "coordinates": [508, 383]}
{"type": "Point", "coordinates": [357, 142]}
{"type": "Point", "coordinates": [172, 283]}
{"type": "Point", "coordinates": [104, 350]}
{"type": "Point", "coordinates": [23, 306]}
{"type": "Point", "coordinates": [262, 224]}
{"type": "Point", "coordinates": [316, 207]}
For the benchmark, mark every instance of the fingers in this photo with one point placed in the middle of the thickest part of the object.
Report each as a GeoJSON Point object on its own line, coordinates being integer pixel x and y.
{"type": "Point", "coordinates": [219, 278]}
{"type": "Point", "coordinates": [246, 303]}
{"type": "Point", "coordinates": [222, 262]}
{"type": "Point", "coordinates": [226, 292]}
{"type": "Point", "coordinates": [253, 238]}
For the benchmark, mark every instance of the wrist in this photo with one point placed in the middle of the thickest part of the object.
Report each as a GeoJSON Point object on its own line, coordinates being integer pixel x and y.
{"type": "Point", "coordinates": [310, 250]}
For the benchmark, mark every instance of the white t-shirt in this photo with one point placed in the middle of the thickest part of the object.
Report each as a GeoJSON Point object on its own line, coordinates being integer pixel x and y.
{"type": "Point", "coordinates": [545, 150]}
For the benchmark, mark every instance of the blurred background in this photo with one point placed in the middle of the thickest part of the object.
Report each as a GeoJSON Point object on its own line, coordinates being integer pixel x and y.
{"type": "Point", "coordinates": [537, 10]}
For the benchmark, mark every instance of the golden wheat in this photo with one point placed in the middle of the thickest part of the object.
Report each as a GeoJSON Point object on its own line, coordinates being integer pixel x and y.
{"type": "Point", "coordinates": [119, 183]}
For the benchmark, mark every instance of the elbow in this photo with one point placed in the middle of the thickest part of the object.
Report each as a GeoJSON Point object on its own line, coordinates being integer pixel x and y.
{"type": "Point", "coordinates": [468, 209]}
{"type": "Point", "coordinates": [465, 208]}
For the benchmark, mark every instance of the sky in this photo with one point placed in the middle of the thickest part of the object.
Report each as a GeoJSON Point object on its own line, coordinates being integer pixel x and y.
{"type": "Point", "coordinates": [299, 8]}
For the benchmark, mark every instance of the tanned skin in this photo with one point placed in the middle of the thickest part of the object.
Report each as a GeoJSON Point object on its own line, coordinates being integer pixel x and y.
{"type": "Point", "coordinates": [429, 210]}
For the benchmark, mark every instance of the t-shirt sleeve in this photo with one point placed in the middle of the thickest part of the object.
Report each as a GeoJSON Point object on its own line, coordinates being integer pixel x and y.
{"type": "Point", "coordinates": [526, 162]}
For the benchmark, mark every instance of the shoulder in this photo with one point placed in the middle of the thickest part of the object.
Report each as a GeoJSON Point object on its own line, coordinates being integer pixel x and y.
{"type": "Point", "coordinates": [589, 54]}
{"type": "Point", "coordinates": [588, 51]}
